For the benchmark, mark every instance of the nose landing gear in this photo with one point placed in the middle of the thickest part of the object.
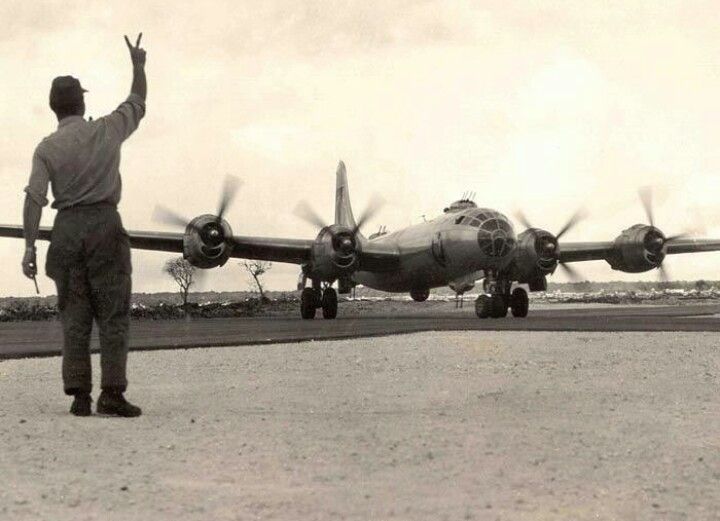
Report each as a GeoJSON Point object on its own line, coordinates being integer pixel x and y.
{"type": "Point", "coordinates": [420, 295]}
{"type": "Point", "coordinates": [496, 300]}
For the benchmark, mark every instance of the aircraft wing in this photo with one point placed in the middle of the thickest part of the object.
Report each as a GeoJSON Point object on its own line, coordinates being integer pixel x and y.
{"type": "Point", "coordinates": [156, 241]}
{"type": "Point", "coordinates": [297, 251]}
{"type": "Point", "coordinates": [693, 245]}
{"type": "Point", "coordinates": [294, 251]}
{"type": "Point", "coordinates": [588, 251]}
{"type": "Point", "coordinates": [377, 258]}
{"type": "Point", "coordinates": [17, 232]}
{"type": "Point", "coordinates": [261, 248]}
{"type": "Point", "coordinates": [584, 251]}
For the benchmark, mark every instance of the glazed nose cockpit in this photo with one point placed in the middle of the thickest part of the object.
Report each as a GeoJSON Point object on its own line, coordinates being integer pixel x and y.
{"type": "Point", "coordinates": [496, 236]}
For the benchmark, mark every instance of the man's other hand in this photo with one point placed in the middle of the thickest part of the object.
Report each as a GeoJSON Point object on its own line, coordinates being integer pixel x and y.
{"type": "Point", "coordinates": [29, 264]}
{"type": "Point", "coordinates": [137, 54]}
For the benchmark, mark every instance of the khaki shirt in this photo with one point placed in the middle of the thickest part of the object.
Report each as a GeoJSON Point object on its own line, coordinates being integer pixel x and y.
{"type": "Point", "coordinates": [81, 159]}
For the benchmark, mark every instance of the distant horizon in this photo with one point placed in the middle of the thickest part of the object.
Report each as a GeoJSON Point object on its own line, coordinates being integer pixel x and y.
{"type": "Point", "coordinates": [539, 106]}
{"type": "Point", "coordinates": [443, 289]}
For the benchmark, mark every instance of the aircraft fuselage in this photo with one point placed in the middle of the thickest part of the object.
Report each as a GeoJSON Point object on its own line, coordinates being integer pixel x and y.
{"type": "Point", "coordinates": [434, 253]}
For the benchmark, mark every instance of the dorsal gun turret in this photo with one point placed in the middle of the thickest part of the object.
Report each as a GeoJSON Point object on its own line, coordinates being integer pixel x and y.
{"type": "Point", "coordinates": [460, 205]}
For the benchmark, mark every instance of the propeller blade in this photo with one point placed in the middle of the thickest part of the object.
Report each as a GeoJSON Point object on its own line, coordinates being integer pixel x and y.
{"type": "Point", "coordinates": [578, 216]}
{"type": "Point", "coordinates": [230, 189]}
{"type": "Point", "coordinates": [688, 232]}
{"type": "Point", "coordinates": [663, 273]}
{"type": "Point", "coordinates": [521, 217]}
{"type": "Point", "coordinates": [305, 212]}
{"type": "Point", "coordinates": [646, 197]}
{"type": "Point", "coordinates": [677, 237]}
{"type": "Point", "coordinates": [572, 273]}
{"type": "Point", "coordinates": [166, 216]}
{"type": "Point", "coordinates": [376, 203]}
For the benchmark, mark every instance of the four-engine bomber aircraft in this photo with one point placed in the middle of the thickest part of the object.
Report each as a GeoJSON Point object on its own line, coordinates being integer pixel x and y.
{"type": "Point", "coordinates": [464, 244]}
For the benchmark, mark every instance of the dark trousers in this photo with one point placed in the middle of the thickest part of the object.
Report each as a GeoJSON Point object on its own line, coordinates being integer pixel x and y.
{"type": "Point", "coordinates": [89, 260]}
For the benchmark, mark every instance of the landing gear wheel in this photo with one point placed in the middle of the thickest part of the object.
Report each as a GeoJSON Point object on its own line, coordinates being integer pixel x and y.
{"type": "Point", "coordinates": [498, 306]}
{"type": "Point", "coordinates": [420, 295]}
{"type": "Point", "coordinates": [482, 306]}
{"type": "Point", "coordinates": [519, 303]}
{"type": "Point", "coordinates": [329, 303]}
{"type": "Point", "coordinates": [308, 303]}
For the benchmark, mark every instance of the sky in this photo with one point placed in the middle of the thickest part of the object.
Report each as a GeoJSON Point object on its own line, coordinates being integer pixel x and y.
{"type": "Point", "coordinates": [540, 106]}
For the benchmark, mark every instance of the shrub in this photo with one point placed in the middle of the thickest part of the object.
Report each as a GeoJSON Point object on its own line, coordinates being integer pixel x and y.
{"type": "Point", "coordinates": [17, 310]}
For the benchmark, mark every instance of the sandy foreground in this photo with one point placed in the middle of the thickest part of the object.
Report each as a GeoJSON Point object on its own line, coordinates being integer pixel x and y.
{"type": "Point", "coordinates": [471, 425]}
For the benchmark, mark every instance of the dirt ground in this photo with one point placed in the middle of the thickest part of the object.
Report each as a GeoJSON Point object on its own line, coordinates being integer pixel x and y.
{"type": "Point", "coordinates": [472, 425]}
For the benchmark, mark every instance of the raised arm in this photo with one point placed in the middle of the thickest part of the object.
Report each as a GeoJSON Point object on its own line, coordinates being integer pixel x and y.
{"type": "Point", "coordinates": [137, 56]}
{"type": "Point", "coordinates": [124, 120]}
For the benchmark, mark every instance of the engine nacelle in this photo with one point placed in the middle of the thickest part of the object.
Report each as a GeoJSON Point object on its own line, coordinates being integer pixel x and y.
{"type": "Point", "coordinates": [639, 248]}
{"type": "Point", "coordinates": [536, 255]}
{"type": "Point", "coordinates": [335, 254]}
{"type": "Point", "coordinates": [205, 242]}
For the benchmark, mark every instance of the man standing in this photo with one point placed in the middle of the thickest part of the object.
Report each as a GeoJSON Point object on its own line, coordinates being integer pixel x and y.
{"type": "Point", "coordinates": [89, 254]}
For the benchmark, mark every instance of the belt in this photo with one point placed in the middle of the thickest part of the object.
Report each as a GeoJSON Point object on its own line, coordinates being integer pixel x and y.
{"type": "Point", "coordinates": [83, 206]}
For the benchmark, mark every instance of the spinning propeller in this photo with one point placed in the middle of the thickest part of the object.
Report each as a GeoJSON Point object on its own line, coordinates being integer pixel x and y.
{"type": "Point", "coordinates": [655, 240]}
{"type": "Point", "coordinates": [212, 233]}
{"type": "Point", "coordinates": [343, 238]}
{"type": "Point", "coordinates": [550, 247]}
{"type": "Point", "coordinates": [304, 211]}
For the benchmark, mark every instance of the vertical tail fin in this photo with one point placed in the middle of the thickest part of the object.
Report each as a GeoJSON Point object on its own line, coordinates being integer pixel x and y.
{"type": "Point", "coordinates": [343, 209]}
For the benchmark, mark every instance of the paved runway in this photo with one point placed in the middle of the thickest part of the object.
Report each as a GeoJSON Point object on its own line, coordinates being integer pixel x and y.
{"type": "Point", "coordinates": [25, 339]}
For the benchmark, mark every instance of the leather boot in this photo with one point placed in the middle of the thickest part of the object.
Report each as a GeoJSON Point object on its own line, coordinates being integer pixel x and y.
{"type": "Point", "coordinates": [81, 405]}
{"type": "Point", "coordinates": [113, 403]}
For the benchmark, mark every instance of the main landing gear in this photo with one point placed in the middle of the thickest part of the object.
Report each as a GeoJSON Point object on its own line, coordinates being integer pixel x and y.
{"type": "Point", "coordinates": [497, 299]}
{"type": "Point", "coordinates": [419, 295]}
{"type": "Point", "coordinates": [313, 298]}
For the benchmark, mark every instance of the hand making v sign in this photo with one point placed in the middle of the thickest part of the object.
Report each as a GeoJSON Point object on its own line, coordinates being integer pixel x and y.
{"type": "Point", "coordinates": [137, 54]}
